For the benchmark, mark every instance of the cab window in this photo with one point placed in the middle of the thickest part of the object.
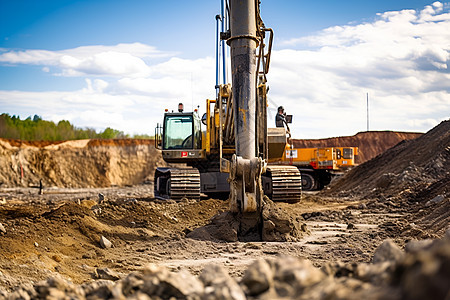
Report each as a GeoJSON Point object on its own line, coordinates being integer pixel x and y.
{"type": "Point", "coordinates": [178, 132]}
{"type": "Point", "coordinates": [348, 153]}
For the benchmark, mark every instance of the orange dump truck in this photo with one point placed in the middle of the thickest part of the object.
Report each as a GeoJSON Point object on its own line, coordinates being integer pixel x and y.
{"type": "Point", "coordinates": [319, 165]}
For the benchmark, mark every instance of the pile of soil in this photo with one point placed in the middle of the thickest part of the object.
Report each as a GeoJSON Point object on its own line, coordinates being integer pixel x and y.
{"type": "Point", "coordinates": [418, 169]}
{"type": "Point", "coordinates": [277, 225]}
{"type": "Point", "coordinates": [59, 234]}
{"type": "Point", "coordinates": [370, 143]}
{"type": "Point", "coordinates": [81, 163]}
{"type": "Point", "coordinates": [414, 172]}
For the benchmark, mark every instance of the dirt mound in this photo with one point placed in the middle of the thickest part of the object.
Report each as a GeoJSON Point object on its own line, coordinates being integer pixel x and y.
{"type": "Point", "coordinates": [277, 226]}
{"type": "Point", "coordinates": [408, 169]}
{"type": "Point", "coordinates": [413, 175]}
{"type": "Point", "coordinates": [81, 163]}
{"type": "Point", "coordinates": [62, 237]}
{"type": "Point", "coordinates": [370, 143]}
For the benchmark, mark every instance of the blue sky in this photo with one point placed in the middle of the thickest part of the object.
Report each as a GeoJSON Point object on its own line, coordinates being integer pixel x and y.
{"type": "Point", "coordinates": [120, 63]}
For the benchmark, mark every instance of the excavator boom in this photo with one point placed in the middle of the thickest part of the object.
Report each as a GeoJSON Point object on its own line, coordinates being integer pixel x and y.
{"type": "Point", "coordinates": [246, 167]}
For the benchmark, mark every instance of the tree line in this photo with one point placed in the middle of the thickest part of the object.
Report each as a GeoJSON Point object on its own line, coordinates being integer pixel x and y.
{"type": "Point", "coordinates": [37, 129]}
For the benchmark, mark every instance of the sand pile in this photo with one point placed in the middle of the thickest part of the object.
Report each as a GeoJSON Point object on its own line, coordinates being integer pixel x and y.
{"type": "Point", "coordinates": [417, 169]}
{"type": "Point", "coordinates": [277, 225]}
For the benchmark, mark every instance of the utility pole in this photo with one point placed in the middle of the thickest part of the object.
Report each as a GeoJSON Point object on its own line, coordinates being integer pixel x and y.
{"type": "Point", "coordinates": [367, 111]}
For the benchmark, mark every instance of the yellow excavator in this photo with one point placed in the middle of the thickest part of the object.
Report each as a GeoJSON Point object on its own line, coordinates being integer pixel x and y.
{"type": "Point", "coordinates": [231, 155]}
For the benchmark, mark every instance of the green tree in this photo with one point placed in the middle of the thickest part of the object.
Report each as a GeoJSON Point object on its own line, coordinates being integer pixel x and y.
{"type": "Point", "coordinates": [32, 129]}
{"type": "Point", "coordinates": [110, 133]}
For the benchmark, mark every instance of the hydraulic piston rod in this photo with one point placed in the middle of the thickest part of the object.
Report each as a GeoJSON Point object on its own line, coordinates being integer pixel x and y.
{"type": "Point", "coordinates": [243, 43]}
{"type": "Point", "coordinates": [246, 167]}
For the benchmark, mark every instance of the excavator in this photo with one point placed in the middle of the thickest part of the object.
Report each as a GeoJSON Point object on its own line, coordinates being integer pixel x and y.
{"type": "Point", "coordinates": [231, 155]}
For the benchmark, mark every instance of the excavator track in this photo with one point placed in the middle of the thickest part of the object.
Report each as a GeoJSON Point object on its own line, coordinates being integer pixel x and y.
{"type": "Point", "coordinates": [175, 184]}
{"type": "Point", "coordinates": [286, 183]}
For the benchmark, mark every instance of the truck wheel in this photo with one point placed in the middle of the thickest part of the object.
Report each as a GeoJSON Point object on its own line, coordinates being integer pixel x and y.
{"type": "Point", "coordinates": [308, 182]}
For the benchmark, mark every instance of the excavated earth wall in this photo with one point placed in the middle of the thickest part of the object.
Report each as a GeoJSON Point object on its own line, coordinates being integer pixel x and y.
{"type": "Point", "coordinates": [81, 163]}
{"type": "Point", "coordinates": [120, 162]}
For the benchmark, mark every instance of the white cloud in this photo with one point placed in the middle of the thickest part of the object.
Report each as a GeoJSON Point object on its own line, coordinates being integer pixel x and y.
{"type": "Point", "coordinates": [105, 63]}
{"type": "Point", "coordinates": [118, 60]}
{"type": "Point", "coordinates": [89, 107]}
{"type": "Point", "coordinates": [130, 104]}
{"type": "Point", "coordinates": [175, 78]}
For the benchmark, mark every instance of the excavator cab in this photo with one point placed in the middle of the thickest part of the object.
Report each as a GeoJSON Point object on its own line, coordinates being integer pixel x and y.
{"type": "Point", "coordinates": [181, 131]}
{"type": "Point", "coordinates": [180, 137]}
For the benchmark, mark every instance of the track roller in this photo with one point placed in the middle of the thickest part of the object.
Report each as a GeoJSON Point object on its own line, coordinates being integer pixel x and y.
{"type": "Point", "coordinates": [286, 183]}
{"type": "Point", "coordinates": [175, 184]}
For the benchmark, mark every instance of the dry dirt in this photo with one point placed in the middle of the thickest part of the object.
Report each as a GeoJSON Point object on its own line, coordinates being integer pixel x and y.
{"type": "Point", "coordinates": [58, 233]}
{"type": "Point", "coordinates": [81, 163]}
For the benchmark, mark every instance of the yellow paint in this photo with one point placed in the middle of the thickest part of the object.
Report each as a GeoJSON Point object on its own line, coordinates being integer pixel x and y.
{"type": "Point", "coordinates": [208, 125]}
{"type": "Point", "coordinates": [244, 116]}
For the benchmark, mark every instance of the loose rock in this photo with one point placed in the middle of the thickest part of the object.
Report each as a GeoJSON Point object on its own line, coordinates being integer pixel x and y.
{"type": "Point", "coordinates": [292, 276]}
{"type": "Point", "coordinates": [426, 274]}
{"type": "Point", "coordinates": [106, 273]}
{"type": "Point", "coordinates": [164, 284]}
{"type": "Point", "coordinates": [416, 246]}
{"type": "Point", "coordinates": [219, 285]}
{"type": "Point", "coordinates": [258, 278]}
{"type": "Point", "coordinates": [387, 251]}
{"type": "Point", "coordinates": [105, 243]}
{"type": "Point", "coordinates": [422, 274]}
{"type": "Point", "coordinates": [435, 200]}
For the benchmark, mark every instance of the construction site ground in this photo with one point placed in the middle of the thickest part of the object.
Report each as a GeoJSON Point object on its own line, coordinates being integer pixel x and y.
{"type": "Point", "coordinates": [59, 232]}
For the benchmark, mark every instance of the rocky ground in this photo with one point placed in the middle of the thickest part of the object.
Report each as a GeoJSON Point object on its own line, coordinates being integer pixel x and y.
{"type": "Point", "coordinates": [89, 248]}
{"type": "Point", "coordinates": [362, 238]}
